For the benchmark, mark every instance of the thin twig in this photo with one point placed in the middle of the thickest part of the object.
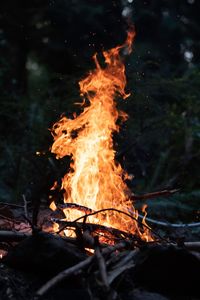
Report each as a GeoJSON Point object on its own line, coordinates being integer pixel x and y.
{"type": "Point", "coordinates": [126, 259]}
{"type": "Point", "coordinates": [10, 204]}
{"type": "Point", "coordinates": [25, 206]}
{"type": "Point", "coordinates": [102, 268]}
{"type": "Point", "coordinates": [117, 271]}
{"type": "Point", "coordinates": [166, 224]}
{"type": "Point", "coordinates": [10, 219]}
{"type": "Point", "coordinates": [75, 270]}
{"type": "Point", "coordinates": [192, 245]}
{"type": "Point", "coordinates": [152, 195]}
{"type": "Point", "coordinates": [110, 293]}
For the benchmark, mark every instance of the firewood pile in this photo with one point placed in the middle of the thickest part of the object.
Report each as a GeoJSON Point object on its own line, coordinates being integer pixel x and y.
{"type": "Point", "coordinates": [98, 263]}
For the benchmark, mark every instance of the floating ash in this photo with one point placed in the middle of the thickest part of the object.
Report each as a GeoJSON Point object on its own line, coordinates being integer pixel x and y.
{"type": "Point", "coordinates": [96, 180]}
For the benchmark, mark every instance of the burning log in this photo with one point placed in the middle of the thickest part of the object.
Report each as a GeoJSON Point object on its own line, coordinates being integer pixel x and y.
{"type": "Point", "coordinates": [95, 228]}
{"type": "Point", "coordinates": [132, 216]}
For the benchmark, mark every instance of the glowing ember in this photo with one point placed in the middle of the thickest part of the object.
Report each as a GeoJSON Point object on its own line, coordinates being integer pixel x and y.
{"type": "Point", "coordinates": [95, 179]}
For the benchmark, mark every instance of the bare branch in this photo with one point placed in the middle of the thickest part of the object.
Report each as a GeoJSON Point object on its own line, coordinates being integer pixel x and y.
{"type": "Point", "coordinates": [164, 193]}
{"type": "Point", "coordinates": [102, 269]}
{"type": "Point", "coordinates": [75, 270]}
{"type": "Point", "coordinates": [25, 206]}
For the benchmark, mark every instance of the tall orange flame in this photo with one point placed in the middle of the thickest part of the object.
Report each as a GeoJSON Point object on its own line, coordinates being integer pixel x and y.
{"type": "Point", "coordinates": [96, 179]}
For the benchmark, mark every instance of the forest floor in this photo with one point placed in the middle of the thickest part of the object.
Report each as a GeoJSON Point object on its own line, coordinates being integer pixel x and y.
{"type": "Point", "coordinates": [147, 271]}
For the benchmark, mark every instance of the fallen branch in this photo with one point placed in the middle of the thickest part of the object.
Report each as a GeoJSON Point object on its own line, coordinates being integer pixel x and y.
{"type": "Point", "coordinates": [102, 269]}
{"type": "Point", "coordinates": [124, 264]}
{"type": "Point", "coordinates": [77, 269]}
{"type": "Point", "coordinates": [167, 224]}
{"type": "Point", "coordinates": [114, 274]}
{"type": "Point", "coordinates": [163, 193]}
{"type": "Point", "coordinates": [4, 204]}
{"type": "Point", "coordinates": [110, 293]}
{"type": "Point", "coordinates": [192, 245]}
{"type": "Point", "coordinates": [10, 219]}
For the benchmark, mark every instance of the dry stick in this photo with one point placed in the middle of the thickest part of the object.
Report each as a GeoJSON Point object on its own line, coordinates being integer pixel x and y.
{"type": "Point", "coordinates": [123, 264]}
{"type": "Point", "coordinates": [102, 268]}
{"type": "Point", "coordinates": [165, 224]}
{"type": "Point", "coordinates": [192, 245]}
{"type": "Point", "coordinates": [10, 204]}
{"type": "Point", "coordinates": [111, 294]}
{"type": "Point", "coordinates": [25, 206]}
{"type": "Point", "coordinates": [75, 270]}
{"type": "Point", "coordinates": [158, 194]}
{"type": "Point", "coordinates": [116, 272]}
{"type": "Point", "coordinates": [10, 219]}
{"type": "Point", "coordinates": [126, 258]}
{"type": "Point", "coordinates": [152, 195]}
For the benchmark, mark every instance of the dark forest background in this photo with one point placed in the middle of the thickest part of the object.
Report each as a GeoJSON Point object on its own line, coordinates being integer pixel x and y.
{"type": "Point", "coordinates": [46, 48]}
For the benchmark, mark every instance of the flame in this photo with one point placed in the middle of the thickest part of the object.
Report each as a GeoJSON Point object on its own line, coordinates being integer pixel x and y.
{"type": "Point", "coordinates": [95, 179]}
{"type": "Point", "coordinates": [146, 234]}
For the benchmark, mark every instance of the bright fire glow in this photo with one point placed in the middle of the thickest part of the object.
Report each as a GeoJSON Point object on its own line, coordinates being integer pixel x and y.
{"type": "Point", "coordinates": [95, 179]}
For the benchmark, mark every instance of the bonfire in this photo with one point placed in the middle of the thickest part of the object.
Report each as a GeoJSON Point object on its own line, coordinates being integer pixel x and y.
{"type": "Point", "coordinates": [96, 181]}
{"type": "Point", "coordinates": [101, 239]}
